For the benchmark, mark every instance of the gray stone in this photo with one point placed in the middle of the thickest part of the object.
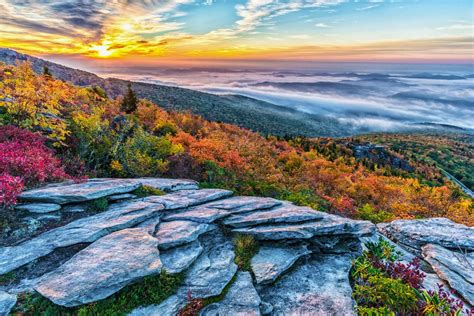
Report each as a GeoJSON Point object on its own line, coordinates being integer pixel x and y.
{"type": "Point", "coordinates": [330, 225]}
{"type": "Point", "coordinates": [92, 189]}
{"type": "Point", "coordinates": [170, 306]}
{"type": "Point", "coordinates": [198, 214]}
{"type": "Point", "coordinates": [240, 204]}
{"type": "Point", "coordinates": [169, 185]}
{"type": "Point", "coordinates": [319, 287]}
{"type": "Point", "coordinates": [286, 213]}
{"type": "Point", "coordinates": [270, 262]}
{"type": "Point", "coordinates": [187, 198]}
{"type": "Point", "coordinates": [266, 308]}
{"type": "Point", "coordinates": [178, 259]}
{"type": "Point", "coordinates": [7, 301]}
{"type": "Point", "coordinates": [40, 208]}
{"type": "Point", "coordinates": [102, 268]}
{"type": "Point", "coordinates": [414, 234]}
{"type": "Point", "coordinates": [124, 196]}
{"type": "Point", "coordinates": [172, 234]}
{"type": "Point", "coordinates": [80, 192]}
{"type": "Point", "coordinates": [84, 230]}
{"type": "Point", "coordinates": [74, 208]}
{"type": "Point", "coordinates": [456, 268]}
{"type": "Point", "coordinates": [214, 268]}
{"type": "Point", "coordinates": [241, 299]}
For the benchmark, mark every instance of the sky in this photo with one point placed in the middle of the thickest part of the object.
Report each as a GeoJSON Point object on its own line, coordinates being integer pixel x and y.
{"type": "Point", "coordinates": [222, 31]}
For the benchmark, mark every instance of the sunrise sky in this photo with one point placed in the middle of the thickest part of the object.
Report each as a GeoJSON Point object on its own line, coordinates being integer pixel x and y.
{"type": "Point", "coordinates": [215, 30]}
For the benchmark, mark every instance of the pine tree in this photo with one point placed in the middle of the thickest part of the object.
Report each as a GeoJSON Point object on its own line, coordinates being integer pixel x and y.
{"type": "Point", "coordinates": [46, 72]}
{"type": "Point", "coordinates": [129, 103]}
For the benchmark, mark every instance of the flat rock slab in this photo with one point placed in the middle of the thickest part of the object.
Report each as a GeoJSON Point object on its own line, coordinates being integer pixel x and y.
{"type": "Point", "coordinates": [39, 208]}
{"type": "Point", "coordinates": [240, 204]}
{"type": "Point", "coordinates": [7, 301]}
{"type": "Point", "coordinates": [241, 299]}
{"type": "Point", "coordinates": [187, 198]}
{"type": "Point", "coordinates": [103, 268]}
{"type": "Point", "coordinates": [330, 225]}
{"type": "Point", "coordinates": [286, 213]}
{"type": "Point", "coordinates": [198, 214]}
{"type": "Point", "coordinates": [169, 307]}
{"type": "Point", "coordinates": [271, 262]}
{"type": "Point", "coordinates": [454, 267]}
{"type": "Point", "coordinates": [319, 287]}
{"type": "Point", "coordinates": [80, 192]}
{"type": "Point", "coordinates": [175, 233]}
{"type": "Point", "coordinates": [124, 196]}
{"type": "Point", "coordinates": [85, 230]}
{"type": "Point", "coordinates": [440, 231]}
{"type": "Point", "coordinates": [178, 259]}
{"type": "Point", "coordinates": [96, 188]}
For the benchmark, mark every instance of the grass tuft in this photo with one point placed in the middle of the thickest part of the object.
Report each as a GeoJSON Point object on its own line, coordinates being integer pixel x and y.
{"type": "Point", "coordinates": [146, 190]}
{"type": "Point", "coordinates": [245, 247]}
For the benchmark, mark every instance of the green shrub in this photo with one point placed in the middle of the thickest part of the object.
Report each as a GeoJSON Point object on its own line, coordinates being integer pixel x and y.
{"type": "Point", "coordinates": [98, 205]}
{"type": "Point", "coordinates": [146, 190]}
{"type": "Point", "coordinates": [151, 290]}
{"type": "Point", "coordinates": [306, 197]}
{"type": "Point", "coordinates": [368, 213]}
{"type": "Point", "coordinates": [374, 311]}
{"type": "Point", "coordinates": [245, 247]}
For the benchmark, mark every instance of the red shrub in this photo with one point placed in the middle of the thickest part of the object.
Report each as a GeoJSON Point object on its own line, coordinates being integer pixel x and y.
{"type": "Point", "coordinates": [23, 154]}
{"type": "Point", "coordinates": [25, 158]}
{"type": "Point", "coordinates": [10, 187]}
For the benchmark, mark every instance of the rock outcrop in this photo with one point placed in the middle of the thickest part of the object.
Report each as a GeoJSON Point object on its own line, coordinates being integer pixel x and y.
{"type": "Point", "coordinates": [302, 265]}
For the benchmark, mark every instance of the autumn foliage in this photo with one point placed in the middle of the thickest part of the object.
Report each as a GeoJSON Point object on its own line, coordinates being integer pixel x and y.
{"type": "Point", "coordinates": [154, 142]}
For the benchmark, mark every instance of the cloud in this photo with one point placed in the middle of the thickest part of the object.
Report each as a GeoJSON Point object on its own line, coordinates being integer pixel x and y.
{"type": "Point", "coordinates": [322, 25]}
{"type": "Point", "coordinates": [368, 7]}
{"type": "Point", "coordinates": [457, 27]}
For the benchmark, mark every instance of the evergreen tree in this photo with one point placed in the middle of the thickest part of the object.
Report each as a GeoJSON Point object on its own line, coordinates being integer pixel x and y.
{"type": "Point", "coordinates": [130, 101]}
{"type": "Point", "coordinates": [46, 72]}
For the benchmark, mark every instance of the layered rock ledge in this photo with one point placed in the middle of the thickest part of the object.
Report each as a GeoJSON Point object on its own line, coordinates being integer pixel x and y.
{"type": "Point", "coordinates": [302, 266]}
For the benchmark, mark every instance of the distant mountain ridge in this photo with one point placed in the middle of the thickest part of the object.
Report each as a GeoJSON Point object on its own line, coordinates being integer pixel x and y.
{"type": "Point", "coordinates": [259, 116]}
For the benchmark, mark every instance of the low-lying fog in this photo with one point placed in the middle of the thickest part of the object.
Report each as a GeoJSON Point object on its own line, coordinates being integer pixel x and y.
{"type": "Point", "coordinates": [374, 97]}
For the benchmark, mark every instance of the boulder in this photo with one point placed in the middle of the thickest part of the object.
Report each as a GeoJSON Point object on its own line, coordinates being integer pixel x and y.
{"type": "Point", "coordinates": [175, 233]}
{"type": "Point", "coordinates": [271, 262]}
{"type": "Point", "coordinates": [318, 287]}
{"type": "Point", "coordinates": [7, 301]}
{"type": "Point", "coordinates": [169, 307]}
{"type": "Point", "coordinates": [102, 269]}
{"type": "Point", "coordinates": [240, 204]}
{"type": "Point", "coordinates": [456, 268]}
{"type": "Point", "coordinates": [241, 299]}
{"type": "Point", "coordinates": [286, 213]}
{"type": "Point", "coordinates": [198, 214]}
{"type": "Point", "coordinates": [178, 259]}
{"type": "Point", "coordinates": [413, 234]}
{"type": "Point", "coordinates": [330, 225]}
{"type": "Point", "coordinates": [85, 230]}
{"type": "Point", "coordinates": [39, 208]}
{"type": "Point", "coordinates": [187, 198]}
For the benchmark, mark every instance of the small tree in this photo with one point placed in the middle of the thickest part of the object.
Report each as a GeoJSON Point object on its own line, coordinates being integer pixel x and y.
{"type": "Point", "coordinates": [130, 101]}
{"type": "Point", "coordinates": [46, 72]}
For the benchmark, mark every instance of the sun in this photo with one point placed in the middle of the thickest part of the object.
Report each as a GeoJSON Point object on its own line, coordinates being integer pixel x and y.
{"type": "Point", "coordinates": [102, 50]}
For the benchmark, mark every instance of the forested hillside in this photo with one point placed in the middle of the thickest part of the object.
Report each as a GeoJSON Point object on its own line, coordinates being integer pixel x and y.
{"type": "Point", "coordinates": [87, 134]}
{"type": "Point", "coordinates": [253, 114]}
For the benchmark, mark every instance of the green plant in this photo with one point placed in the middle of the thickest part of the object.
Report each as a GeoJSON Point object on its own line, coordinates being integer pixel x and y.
{"type": "Point", "coordinates": [382, 250]}
{"type": "Point", "coordinates": [367, 212]}
{"type": "Point", "coordinates": [7, 278]}
{"type": "Point", "coordinates": [374, 311]}
{"type": "Point", "coordinates": [146, 190]}
{"type": "Point", "coordinates": [381, 291]}
{"type": "Point", "coordinates": [245, 247]}
{"type": "Point", "coordinates": [98, 205]}
{"type": "Point", "coordinates": [151, 290]}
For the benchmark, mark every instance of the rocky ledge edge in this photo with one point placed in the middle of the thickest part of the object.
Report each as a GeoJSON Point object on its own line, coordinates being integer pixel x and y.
{"type": "Point", "coordinates": [302, 266]}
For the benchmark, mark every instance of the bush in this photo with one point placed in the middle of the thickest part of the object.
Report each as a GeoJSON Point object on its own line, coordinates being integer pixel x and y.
{"type": "Point", "coordinates": [146, 190]}
{"type": "Point", "coordinates": [98, 205]}
{"type": "Point", "coordinates": [10, 188]}
{"type": "Point", "coordinates": [367, 212]}
{"type": "Point", "coordinates": [245, 248]}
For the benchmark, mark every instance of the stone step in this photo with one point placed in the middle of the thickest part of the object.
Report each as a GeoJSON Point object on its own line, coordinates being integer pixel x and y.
{"type": "Point", "coordinates": [176, 233]}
